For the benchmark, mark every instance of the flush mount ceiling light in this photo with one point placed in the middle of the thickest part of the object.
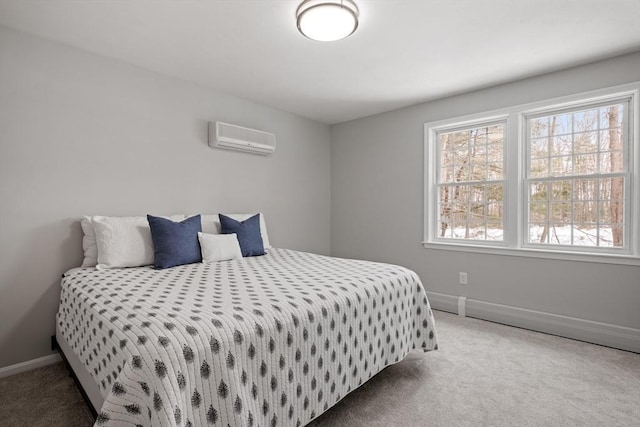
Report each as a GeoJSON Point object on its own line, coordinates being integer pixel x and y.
{"type": "Point", "coordinates": [327, 20]}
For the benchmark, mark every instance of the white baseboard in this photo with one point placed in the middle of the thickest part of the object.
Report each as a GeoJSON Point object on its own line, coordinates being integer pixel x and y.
{"type": "Point", "coordinates": [600, 333]}
{"type": "Point", "coordinates": [29, 365]}
{"type": "Point", "coordinates": [443, 302]}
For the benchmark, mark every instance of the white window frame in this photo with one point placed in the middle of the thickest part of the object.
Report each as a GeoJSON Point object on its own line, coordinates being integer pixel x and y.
{"type": "Point", "coordinates": [516, 193]}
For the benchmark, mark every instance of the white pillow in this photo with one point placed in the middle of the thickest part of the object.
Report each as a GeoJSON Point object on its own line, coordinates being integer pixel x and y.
{"type": "Point", "coordinates": [211, 225]}
{"type": "Point", "coordinates": [89, 243]}
{"type": "Point", "coordinates": [219, 247]}
{"type": "Point", "coordinates": [124, 241]}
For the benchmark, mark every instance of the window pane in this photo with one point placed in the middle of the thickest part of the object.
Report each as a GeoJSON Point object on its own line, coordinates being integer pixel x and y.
{"type": "Point", "coordinates": [585, 189]}
{"type": "Point", "coordinates": [444, 142]}
{"type": "Point", "coordinates": [611, 161]}
{"type": "Point", "coordinates": [539, 190]}
{"type": "Point", "coordinates": [537, 211]}
{"type": "Point", "coordinates": [479, 133]}
{"type": "Point", "coordinates": [561, 166]}
{"type": "Point", "coordinates": [495, 192]}
{"type": "Point", "coordinates": [460, 194]}
{"type": "Point", "coordinates": [538, 233]}
{"type": "Point", "coordinates": [495, 133]}
{"type": "Point", "coordinates": [495, 154]}
{"type": "Point", "coordinates": [611, 211]}
{"type": "Point", "coordinates": [561, 190]}
{"type": "Point", "coordinates": [585, 234]}
{"type": "Point", "coordinates": [479, 152]}
{"type": "Point", "coordinates": [585, 142]}
{"type": "Point", "coordinates": [446, 166]}
{"type": "Point", "coordinates": [539, 167]}
{"type": "Point", "coordinates": [561, 145]}
{"type": "Point", "coordinates": [585, 120]}
{"type": "Point", "coordinates": [617, 236]}
{"type": "Point", "coordinates": [461, 165]}
{"type": "Point", "coordinates": [494, 213]}
{"type": "Point", "coordinates": [560, 212]}
{"type": "Point", "coordinates": [612, 189]}
{"type": "Point", "coordinates": [460, 140]}
{"type": "Point", "coordinates": [494, 222]}
{"type": "Point", "coordinates": [478, 171]}
{"type": "Point", "coordinates": [584, 211]}
{"type": "Point", "coordinates": [560, 124]}
{"type": "Point", "coordinates": [616, 162]}
{"type": "Point", "coordinates": [495, 171]}
{"type": "Point", "coordinates": [611, 116]}
{"type": "Point", "coordinates": [539, 127]}
{"type": "Point", "coordinates": [559, 234]}
{"type": "Point", "coordinates": [585, 164]}
{"type": "Point", "coordinates": [540, 147]}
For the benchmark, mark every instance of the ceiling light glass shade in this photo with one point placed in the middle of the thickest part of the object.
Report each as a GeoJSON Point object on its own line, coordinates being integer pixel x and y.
{"type": "Point", "coordinates": [327, 20]}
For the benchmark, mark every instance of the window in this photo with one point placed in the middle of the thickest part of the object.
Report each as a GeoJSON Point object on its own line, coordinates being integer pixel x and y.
{"type": "Point", "coordinates": [470, 182]}
{"type": "Point", "coordinates": [553, 179]}
{"type": "Point", "coordinates": [577, 175]}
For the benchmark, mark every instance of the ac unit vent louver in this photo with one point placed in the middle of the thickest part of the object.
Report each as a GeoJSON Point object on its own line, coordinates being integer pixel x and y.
{"type": "Point", "coordinates": [232, 137]}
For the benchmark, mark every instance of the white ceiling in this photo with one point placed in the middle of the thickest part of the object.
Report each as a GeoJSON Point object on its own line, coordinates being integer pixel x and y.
{"type": "Point", "coordinates": [403, 53]}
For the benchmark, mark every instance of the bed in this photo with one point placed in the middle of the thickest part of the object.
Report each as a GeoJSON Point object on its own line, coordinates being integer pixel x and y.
{"type": "Point", "coordinates": [273, 340]}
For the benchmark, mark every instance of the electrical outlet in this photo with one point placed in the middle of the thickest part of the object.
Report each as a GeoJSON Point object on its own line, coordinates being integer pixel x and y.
{"type": "Point", "coordinates": [463, 278]}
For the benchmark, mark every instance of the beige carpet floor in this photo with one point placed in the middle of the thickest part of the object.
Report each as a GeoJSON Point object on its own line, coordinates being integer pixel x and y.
{"type": "Point", "coordinates": [43, 397]}
{"type": "Point", "coordinates": [484, 374]}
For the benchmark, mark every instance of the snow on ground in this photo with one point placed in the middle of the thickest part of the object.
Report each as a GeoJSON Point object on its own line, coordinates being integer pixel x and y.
{"type": "Point", "coordinates": [558, 235]}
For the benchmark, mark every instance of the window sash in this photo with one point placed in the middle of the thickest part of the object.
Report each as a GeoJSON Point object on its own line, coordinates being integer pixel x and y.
{"type": "Point", "coordinates": [548, 202]}
{"type": "Point", "coordinates": [485, 219]}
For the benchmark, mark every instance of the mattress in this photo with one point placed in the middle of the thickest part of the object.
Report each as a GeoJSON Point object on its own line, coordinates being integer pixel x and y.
{"type": "Point", "coordinates": [269, 340]}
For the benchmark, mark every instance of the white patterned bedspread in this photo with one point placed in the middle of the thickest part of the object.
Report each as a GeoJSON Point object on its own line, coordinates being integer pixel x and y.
{"type": "Point", "coordinates": [262, 341]}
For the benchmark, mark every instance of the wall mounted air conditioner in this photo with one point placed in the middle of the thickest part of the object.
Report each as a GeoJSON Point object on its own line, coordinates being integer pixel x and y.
{"type": "Point", "coordinates": [232, 137]}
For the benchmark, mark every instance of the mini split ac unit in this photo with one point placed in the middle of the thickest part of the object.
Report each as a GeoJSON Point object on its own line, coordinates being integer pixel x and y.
{"type": "Point", "coordinates": [232, 137]}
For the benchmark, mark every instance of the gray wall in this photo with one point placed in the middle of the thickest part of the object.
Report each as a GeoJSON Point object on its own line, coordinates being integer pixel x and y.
{"type": "Point", "coordinates": [377, 207]}
{"type": "Point", "coordinates": [81, 134]}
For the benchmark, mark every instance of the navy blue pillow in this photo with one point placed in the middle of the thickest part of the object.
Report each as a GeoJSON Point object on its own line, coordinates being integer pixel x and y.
{"type": "Point", "coordinates": [248, 232]}
{"type": "Point", "coordinates": [175, 243]}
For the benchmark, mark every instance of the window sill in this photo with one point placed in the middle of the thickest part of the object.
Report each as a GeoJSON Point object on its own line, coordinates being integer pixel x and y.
{"type": "Point", "coordinates": [536, 253]}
